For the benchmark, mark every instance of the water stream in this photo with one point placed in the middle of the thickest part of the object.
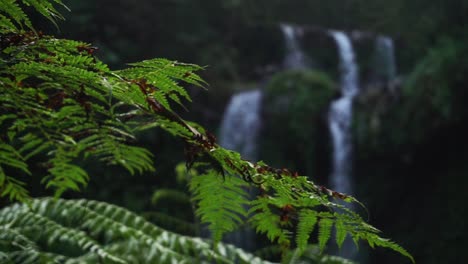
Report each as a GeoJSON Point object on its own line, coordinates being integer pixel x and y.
{"type": "Point", "coordinates": [339, 122]}
{"type": "Point", "coordinates": [241, 123]}
{"type": "Point", "coordinates": [340, 115]}
{"type": "Point", "coordinates": [295, 57]}
{"type": "Point", "coordinates": [385, 55]}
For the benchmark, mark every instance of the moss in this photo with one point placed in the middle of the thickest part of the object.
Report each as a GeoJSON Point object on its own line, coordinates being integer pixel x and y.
{"type": "Point", "coordinates": [294, 108]}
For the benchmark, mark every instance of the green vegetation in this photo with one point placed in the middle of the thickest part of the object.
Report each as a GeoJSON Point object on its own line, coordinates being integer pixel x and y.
{"type": "Point", "coordinates": [295, 108]}
{"type": "Point", "coordinates": [85, 231]}
{"type": "Point", "coordinates": [413, 145]}
{"type": "Point", "coordinates": [61, 106]}
{"type": "Point", "coordinates": [431, 98]}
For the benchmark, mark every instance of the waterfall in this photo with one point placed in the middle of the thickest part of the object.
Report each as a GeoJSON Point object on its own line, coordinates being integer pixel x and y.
{"type": "Point", "coordinates": [295, 57]}
{"type": "Point", "coordinates": [241, 122]}
{"type": "Point", "coordinates": [340, 115]}
{"type": "Point", "coordinates": [339, 122]}
{"type": "Point", "coordinates": [239, 131]}
{"type": "Point", "coordinates": [385, 66]}
{"type": "Point", "coordinates": [385, 56]}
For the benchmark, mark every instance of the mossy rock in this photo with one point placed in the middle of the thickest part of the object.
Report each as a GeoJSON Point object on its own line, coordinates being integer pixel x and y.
{"type": "Point", "coordinates": [295, 104]}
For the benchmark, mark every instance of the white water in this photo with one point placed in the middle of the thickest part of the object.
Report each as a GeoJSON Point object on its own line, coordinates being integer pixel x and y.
{"type": "Point", "coordinates": [340, 115]}
{"type": "Point", "coordinates": [239, 132]}
{"type": "Point", "coordinates": [295, 57]}
{"type": "Point", "coordinates": [339, 122]}
{"type": "Point", "coordinates": [241, 123]}
{"type": "Point", "coordinates": [385, 55]}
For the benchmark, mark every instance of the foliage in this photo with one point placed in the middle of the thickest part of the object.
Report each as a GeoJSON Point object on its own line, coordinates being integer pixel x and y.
{"type": "Point", "coordinates": [77, 231]}
{"type": "Point", "coordinates": [60, 104]}
{"type": "Point", "coordinates": [295, 107]}
{"type": "Point", "coordinates": [294, 96]}
{"type": "Point", "coordinates": [58, 99]}
{"type": "Point", "coordinates": [431, 97]}
{"type": "Point", "coordinates": [221, 203]}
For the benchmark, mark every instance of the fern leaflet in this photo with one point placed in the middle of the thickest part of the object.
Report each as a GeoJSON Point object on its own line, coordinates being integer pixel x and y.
{"type": "Point", "coordinates": [221, 203]}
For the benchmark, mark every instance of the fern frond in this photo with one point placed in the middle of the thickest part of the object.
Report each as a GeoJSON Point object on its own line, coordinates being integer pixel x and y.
{"type": "Point", "coordinates": [87, 231]}
{"type": "Point", "coordinates": [13, 188]}
{"type": "Point", "coordinates": [9, 186]}
{"type": "Point", "coordinates": [46, 8]}
{"type": "Point", "coordinates": [162, 77]}
{"type": "Point", "coordinates": [325, 227]}
{"type": "Point", "coordinates": [10, 157]}
{"type": "Point", "coordinates": [375, 240]}
{"type": "Point", "coordinates": [37, 227]}
{"type": "Point", "coordinates": [65, 111]}
{"type": "Point", "coordinates": [267, 222]}
{"type": "Point", "coordinates": [6, 25]}
{"type": "Point", "coordinates": [340, 232]}
{"type": "Point", "coordinates": [64, 175]}
{"type": "Point", "coordinates": [221, 203]}
{"type": "Point", "coordinates": [14, 12]}
{"type": "Point", "coordinates": [307, 221]}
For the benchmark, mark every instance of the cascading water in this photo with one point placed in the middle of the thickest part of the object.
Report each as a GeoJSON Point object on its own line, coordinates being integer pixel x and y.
{"type": "Point", "coordinates": [295, 57]}
{"type": "Point", "coordinates": [241, 123]}
{"type": "Point", "coordinates": [340, 115]}
{"type": "Point", "coordinates": [385, 58]}
{"type": "Point", "coordinates": [239, 131]}
{"type": "Point", "coordinates": [339, 122]}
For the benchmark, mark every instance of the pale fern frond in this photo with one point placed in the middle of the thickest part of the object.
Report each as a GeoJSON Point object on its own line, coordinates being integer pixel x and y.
{"type": "Point", "coordinates": [90, 231]}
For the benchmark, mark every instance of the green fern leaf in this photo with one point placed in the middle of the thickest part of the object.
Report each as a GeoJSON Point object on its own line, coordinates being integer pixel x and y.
{"type": "Point", "coordinates": [10, 157]}
{"type": "Point", "coordinates": [221, 204]}
{"type": "Point", "coordinates": [340, 232]}
{"type": "Point", "coordinates": [13, 188]}
{"type": "Point", "coordinates": [266, 222]}
{"type": "Point", "coordinates": [307, 221]}
{"type": "Point", "coordinates": [375, 240]}
{"type": "Point", "coordinates": [12, 9]}
{"type": "Point", "coordinates": [325, 226]}
{"type": "Point", "coordinates": [6, 25]}
{"type": "Point", "coordinates": [46, 9]}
